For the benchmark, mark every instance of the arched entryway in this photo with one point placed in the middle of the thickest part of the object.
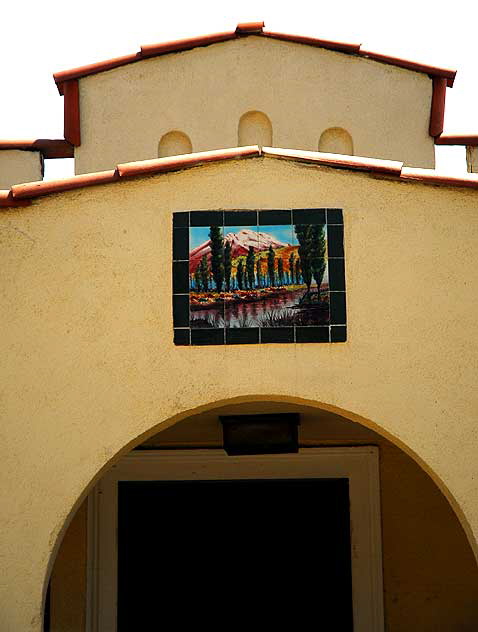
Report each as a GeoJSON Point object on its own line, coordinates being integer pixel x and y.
{"type": "Point", "coordinates": [429, 571]}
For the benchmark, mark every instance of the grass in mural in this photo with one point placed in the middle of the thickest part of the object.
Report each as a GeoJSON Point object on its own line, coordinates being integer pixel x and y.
{"type": "Point", "coordinates": [250, 278]}
{"type": "Point", "coordinates": [210, 321]}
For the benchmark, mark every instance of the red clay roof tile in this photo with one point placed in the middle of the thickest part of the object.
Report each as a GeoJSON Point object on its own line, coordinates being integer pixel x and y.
{"type": "Point", "coordinates": [38, 189]}
{"type": "Point", "coordinates": [21, 194]}
{"type": "Point", "coordinates": [433, 71]}
{"type": "Point", "coordinates": [249, 28]}
{"type": "Point", "coordinates": [338, 161]}
{"type": "Point", "coordinates": [6, 200]}
{"type": "Point", "coordinates": [49, 148]}
{"type": "Point", "coordinates": [172, 163]}
{"type": "Point", "coordinates": [471, 140]}
{"type": "Point", "coordinates": [437, 113]}
{"type": "Point", "coordinates": [342, 47]}
{"type": "Point", "coordinates": [152, 50]}
{"type": "Point", "coordinates": [429, 177]}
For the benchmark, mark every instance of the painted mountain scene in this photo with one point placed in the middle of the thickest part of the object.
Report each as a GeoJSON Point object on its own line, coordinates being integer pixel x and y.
{"type": "Point", "coordinates": [266, 276]}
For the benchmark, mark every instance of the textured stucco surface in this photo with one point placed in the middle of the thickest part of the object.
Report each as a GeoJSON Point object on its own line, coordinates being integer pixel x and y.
{"type": "Point", "coordinates": [18, 166]}
{"type": "Point", "coordinates": [88, 365]}
{"type": "Point", "coordinates": [303, 90]}
{"type": "Point", "coordinates": [68, 579]}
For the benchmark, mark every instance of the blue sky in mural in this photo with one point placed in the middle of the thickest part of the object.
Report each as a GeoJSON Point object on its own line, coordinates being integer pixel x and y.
{"type": "Point", "coordinates": [198, 235]}
{"type": "Point", "coordinates": [281, 233]}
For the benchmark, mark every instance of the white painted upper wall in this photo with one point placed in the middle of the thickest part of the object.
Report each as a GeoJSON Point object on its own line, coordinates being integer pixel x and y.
{"type": "Point", "coordinates": [303, 91]}
{"type": "Point", "coordinates": [17, 166]}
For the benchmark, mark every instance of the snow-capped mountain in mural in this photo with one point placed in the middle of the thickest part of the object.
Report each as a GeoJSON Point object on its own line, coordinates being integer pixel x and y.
{"type": "Point", "coordinates": [240, 244]}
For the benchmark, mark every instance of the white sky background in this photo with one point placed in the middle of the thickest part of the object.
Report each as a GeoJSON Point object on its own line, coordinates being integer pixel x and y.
{"type": "Point", "coordinates": [39, 38]}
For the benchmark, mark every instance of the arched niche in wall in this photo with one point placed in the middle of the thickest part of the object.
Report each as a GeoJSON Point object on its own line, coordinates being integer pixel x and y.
{"type": "Point", "coordinates": [336, 140]}
{"type": "Point", "coordinates": [174, 143]}
{"type": "Point", "coordinates": [254, 128]}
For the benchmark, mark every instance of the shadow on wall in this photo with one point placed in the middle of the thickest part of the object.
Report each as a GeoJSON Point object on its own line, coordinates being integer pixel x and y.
{"type": "Point", "coordinates": [254, 128]}
{"type": "Point", "coordinates": [336, 140]}
{"type": "Point", "coordinates": [174, 143]}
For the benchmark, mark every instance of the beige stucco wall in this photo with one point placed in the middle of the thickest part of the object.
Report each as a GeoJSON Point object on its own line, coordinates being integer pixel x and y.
{"type": "Point", "coordinates": [18, 166]}
{"type": "Point", "coordinates": [88, 363]}
{"type": "Point", "coordinates": [303, 90]}
{"type": "Point", "coordinates": [68, 578]}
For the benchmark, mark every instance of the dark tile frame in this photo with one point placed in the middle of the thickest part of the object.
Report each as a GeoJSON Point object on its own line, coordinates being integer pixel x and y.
{"type": "Point", "coordinates": [336, 330]}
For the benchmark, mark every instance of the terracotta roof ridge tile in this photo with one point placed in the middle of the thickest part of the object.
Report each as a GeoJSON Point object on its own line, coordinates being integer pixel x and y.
{"type": "Point", "coordinates": [336, 160]}
{"type": "Point", "coordinates": [248, 28]}
{"type": "Point", "coordinates": [6, 199]}
{"type": "Point", "coordinates": [435, 71]}
{"type": "Point", "coordinates": [470, 140]}
{"type": "Point", "coordinates": [93, 68]}
{"type": "Point", "coordinates": [241, 30]}
{"type": "Point", "coordinates": [49, 147]}
{"type": "Point", "coordinates": [44, 187]}
{"type": "Point", "coordinates": [21, 194]}
{"type": "Point", "coordinates": [161, 48]}
{"type": "Point", "coordinates": [346, 47]}
{"type": "Point", "coordinates": [430, 176]}
{"type": "Point", "coordinates": [171, 163]}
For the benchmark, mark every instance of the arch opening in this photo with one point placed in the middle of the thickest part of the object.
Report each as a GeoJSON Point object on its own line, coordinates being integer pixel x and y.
{"type": "Point", "coordinates": [174, 143]}
{"type": "Point", "coordinates": [255, 128]}
{"type": "Point", "coordinates": [421, 534]}
{"type": "Point", "coordinates": [336, 140]}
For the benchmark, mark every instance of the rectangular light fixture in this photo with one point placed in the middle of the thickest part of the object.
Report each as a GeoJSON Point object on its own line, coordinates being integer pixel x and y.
{"type": "Point", "coordinates": [260, 434]}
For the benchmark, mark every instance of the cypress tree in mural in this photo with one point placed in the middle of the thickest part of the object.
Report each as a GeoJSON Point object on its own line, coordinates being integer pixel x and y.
{"type": "Point", "coordinates": [240, 275]}
{"type": "Point", "coordinates": [292, 268]}
{"type": "Point", "coordinates": [304, 237]}
{"type": "Point", "coordinates": [280, 271]}
{"type": "Point", "coordinates": [297, 272]}
{"type": "Point", "coordinates": [317, 254]}
{"type": "Point", "coordinates": [204, 273]}
{"type": "Point", "coordinates": [227, 265]}
{"type": "Point", "coordinates": [217, 256]}
{"type": "Point", "coordinates": [271, 266]}
{"type": "Point", "coordinates": [259, 272]}
{"type": "Point", "coordinates": [250, 264]}
{"type": "Point", "coordinates": [197, 278]}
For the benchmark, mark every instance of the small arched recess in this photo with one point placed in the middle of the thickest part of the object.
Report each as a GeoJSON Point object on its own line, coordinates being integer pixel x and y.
{"type": "Point", "coordinates": [336, 140]}
{"type": "Point", "coordinates": [174, 143]}
{"type": "Point", "coordinates": [254, 128]}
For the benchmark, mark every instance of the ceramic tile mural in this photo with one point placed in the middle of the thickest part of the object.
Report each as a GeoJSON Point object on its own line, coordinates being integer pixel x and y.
{"type": "Point", "coordinates": [244, 277]}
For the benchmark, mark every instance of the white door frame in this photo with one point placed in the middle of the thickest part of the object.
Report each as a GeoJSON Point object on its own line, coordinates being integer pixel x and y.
{"type": "Point", "coordinates": [358, 464]}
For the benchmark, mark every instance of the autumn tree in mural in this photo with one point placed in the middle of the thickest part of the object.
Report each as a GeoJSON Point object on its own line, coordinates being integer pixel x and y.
{"type": "Point", "coordinates": [292, 267]}
{"type": "Point", "coordinates": [271, 266]}
{"type": "Point", "coordinates": [240, 275]}
{"type": "Point", "coordinates": [280, 271]}
{"type": "Point", "coordinates": [227, 265]}
{"type": "Point", "coordinates": [259, 272]}
{"type": "Point", "coordinates": [250, 268]}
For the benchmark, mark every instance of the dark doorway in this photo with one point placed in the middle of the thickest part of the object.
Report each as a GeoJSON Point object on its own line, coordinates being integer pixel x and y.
{"type": "Point", "coordinates": [255, 553]}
